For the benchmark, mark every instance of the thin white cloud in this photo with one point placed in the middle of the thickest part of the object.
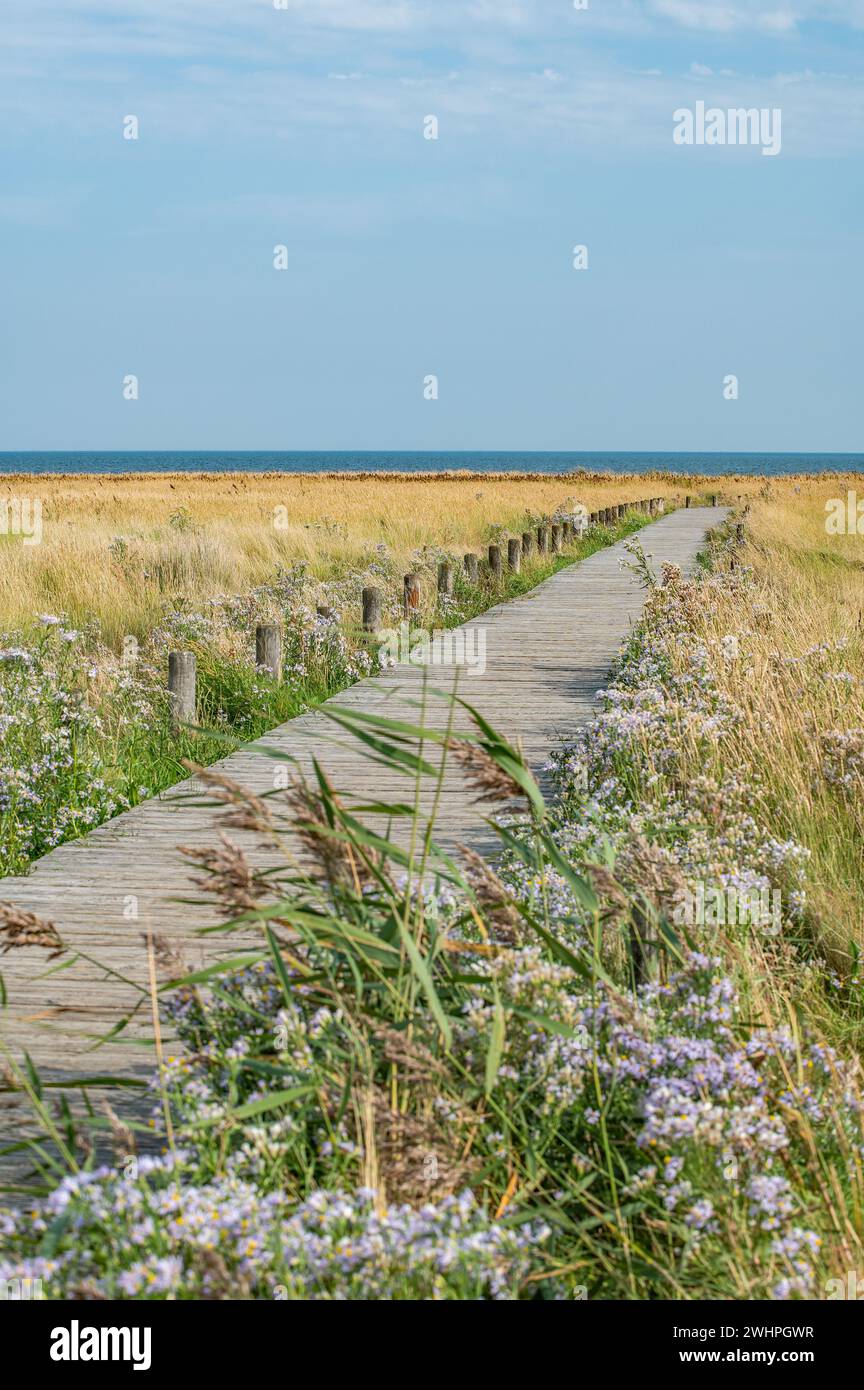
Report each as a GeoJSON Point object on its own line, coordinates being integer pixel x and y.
{"type": "Point", "coordinates": [717, 17]}
{"type": "Point", "coordinates": [218, 69]}
{"type": "Point", "coordinates": [761, 16]}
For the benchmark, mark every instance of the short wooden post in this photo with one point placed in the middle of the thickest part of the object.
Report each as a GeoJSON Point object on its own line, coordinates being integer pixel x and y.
{"type": "Point", "coordinates": [645, 944]}
{"type": "Point", "coordinates": [445, 579]}
{"type": "Point", "coordinates": [592, 520]}
{"type": "Point", "coordinates": [739, 533]}
{"type": "Point", "coordinates": [687, 500]}
{"type": "Point", "coordinates": [527, 544]}
{"type": "Point", "coordinates": [268, 649]}
{"type": "Point", "coordinates": [542, 539]}
{"type": "Point", "coordinates": [410, 594]}
{"type": "Point", "coordinates": [555, 538]}
{"type": "Point", "coordinates": [566, 531]}
{"type": "Point", "coordinates": [495, 561]}
{"type": "Point", "coordinates": [470, 564]}
{"type": "Point", "coordinates": [372, 608]}
{"type": "Point", "coordinates": [620, 510]}
{"type": "Point", "coordinates": [181, 687]}
{"type": "Point", "coordinates": [713, 499]}
{"type": "Point", "coordinates": [514, 556]}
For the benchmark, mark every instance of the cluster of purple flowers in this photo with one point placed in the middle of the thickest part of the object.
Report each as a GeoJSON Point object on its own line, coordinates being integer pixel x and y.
{"type": "Point", "coordinates": [155, 1233]}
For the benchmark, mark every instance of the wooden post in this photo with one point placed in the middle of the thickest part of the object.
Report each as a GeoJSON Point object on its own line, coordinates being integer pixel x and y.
{"type": "Point", "coordinates": [739, 533]}
{"type": "Point", "coordinates": [592, 520]}
{"type": "Point", "coordinates": [268, 649]}
{"type": "Point", "coordinates": [566, 531]}
{"type": "Point", "coordinates": [372, 605]}
{"type": "Point", "coordinates": [645, 944]}
{"type": "Point", "coordinates": [470, 563]}
{"type": "Point", "coordinates": [495, 561]}
{"type": "Point", "coordinates": [713, 499]}
{"type": "Point", "coordinates": [527, 544]}
{"type": "Point", "coordinates": [181, 687]}
{"type": "Point", "coordinates": [445, 579]}
{"type": "Point", "coordinates": [542, 539]}
{"type": "Point", "coordinates": [514, 556]}
{"type": "Point", "coordinates": [555, 538]}
{"type": "Point", "coordinates": [687, 500]}
{"type": "Point", "coordinates": [410, 594]}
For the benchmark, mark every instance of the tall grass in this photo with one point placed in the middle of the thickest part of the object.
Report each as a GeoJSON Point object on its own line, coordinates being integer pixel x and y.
{"type": "Point", "coordinates": [637, 1109]}
{"type": "Point", "coordinates": [795, 674]}
{"type": "Point", "coordinates": [115, 551]}
{"type": "Point", "coordinates": [434, 1077]}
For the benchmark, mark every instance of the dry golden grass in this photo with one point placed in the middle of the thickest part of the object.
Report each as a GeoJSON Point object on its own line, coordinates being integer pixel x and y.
{"type": "Point", "coordinates": [224, 537]}
{"type": "Point", "coordinates": [809, 592]}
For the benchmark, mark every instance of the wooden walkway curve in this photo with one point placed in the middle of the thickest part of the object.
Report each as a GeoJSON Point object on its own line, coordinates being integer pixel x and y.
{"type": "Point", "coordinates": [547, 654]}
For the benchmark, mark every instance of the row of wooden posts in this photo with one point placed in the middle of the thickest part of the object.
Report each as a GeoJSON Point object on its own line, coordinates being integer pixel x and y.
{"type": "Point", "coordinates": [548, 538]}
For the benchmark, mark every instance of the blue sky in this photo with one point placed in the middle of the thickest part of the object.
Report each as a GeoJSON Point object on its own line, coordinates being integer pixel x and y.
{"type": "Point", "coordinates": [409, 257]}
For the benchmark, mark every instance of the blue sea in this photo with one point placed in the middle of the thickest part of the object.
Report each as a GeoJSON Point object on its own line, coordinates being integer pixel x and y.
{"type": "Point", "coordinates": [415, 462]}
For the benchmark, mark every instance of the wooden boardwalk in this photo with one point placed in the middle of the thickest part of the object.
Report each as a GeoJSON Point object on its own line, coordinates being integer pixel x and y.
{"type": "Point", "coordinates": [546, 655]}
